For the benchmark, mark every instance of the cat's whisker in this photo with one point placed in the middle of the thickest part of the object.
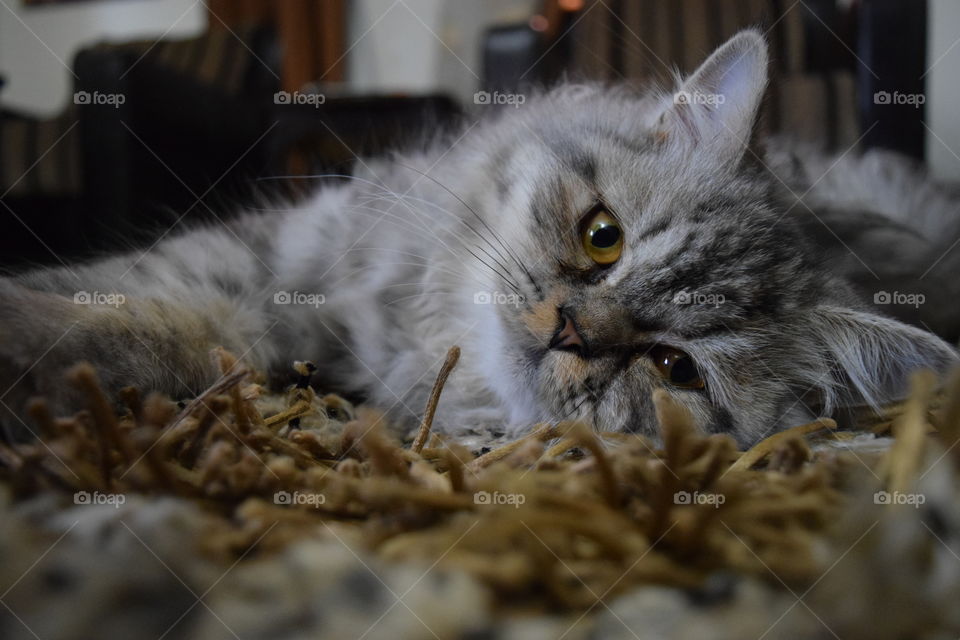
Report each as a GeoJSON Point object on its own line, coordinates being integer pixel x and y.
{"type": "Point", "coordinates": [469, 208]}
{"type": "Point", "coordinates": [403, 284]}
{"type": "Point", "coordinates": [462, 274]}
{"type": "Point", "coordinates": [398, 220]}
{"type": "Point", "coordinates": [423, 294]}
{"type": "Point", "coordinates": [576, 407]}
{"type": "Point", "coordinates": [378, 265]}
{"type": "Point", "coordinates": [482, 221]}
{"type": "Point", "coordinates": [406, 253]}
{"type": "Point", "coordinates": [389, 250]}
{"type": "Point", "coordinates": [505, 271]}
{"type": "Point", "coordinates": [510, 281]}
{"type": "Point", "coordinates": [321, 176]}
{"type": "Point", "coordinates": [401, 197]}
{"type": "Point", "coordinates": [334, 284]}
{"type": "Point", "coordinates": [457, 218]}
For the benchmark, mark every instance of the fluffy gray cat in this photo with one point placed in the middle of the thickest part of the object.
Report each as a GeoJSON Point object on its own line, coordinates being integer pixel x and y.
{"type": "Point", "coordinates": [584, 249]}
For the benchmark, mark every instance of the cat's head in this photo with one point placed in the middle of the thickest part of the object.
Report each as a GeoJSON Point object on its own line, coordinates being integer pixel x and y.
{"type": "Point", "coordinates": [655, 254]}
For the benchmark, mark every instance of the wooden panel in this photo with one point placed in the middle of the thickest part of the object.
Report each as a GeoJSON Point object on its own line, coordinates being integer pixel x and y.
{"type": "Point", "coordinates": [312, 34]}
{"type": "Point", "coordinates": [296, 34]}
{"type": "Point", "coordinates": [332, 22]}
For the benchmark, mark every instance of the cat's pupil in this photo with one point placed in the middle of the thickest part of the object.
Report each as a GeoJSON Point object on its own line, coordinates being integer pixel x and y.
{"type": "Point", "coordinates": [683, 371]}
{"type": "Point", "coordinates": [605, 237]}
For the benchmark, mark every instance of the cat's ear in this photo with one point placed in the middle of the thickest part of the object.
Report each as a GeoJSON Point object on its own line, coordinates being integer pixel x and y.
{"type": "Point", "coordinates": [871, 357]}
{"type": "Point", "coordinates": [716, 107]}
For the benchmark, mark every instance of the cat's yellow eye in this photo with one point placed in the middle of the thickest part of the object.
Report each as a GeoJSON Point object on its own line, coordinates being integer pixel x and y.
{"type": "Point", "coordinates": [602, 238]}
{"type": "Point", "coordinates": [676, 367]}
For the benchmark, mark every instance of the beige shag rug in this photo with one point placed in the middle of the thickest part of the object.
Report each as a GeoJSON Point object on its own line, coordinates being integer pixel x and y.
{"type": "Point", "coordinates": [247, 515]}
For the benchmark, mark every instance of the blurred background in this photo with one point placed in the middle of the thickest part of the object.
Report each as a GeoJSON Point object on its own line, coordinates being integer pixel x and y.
{"type": "Point", "coordinates": [119, 118]}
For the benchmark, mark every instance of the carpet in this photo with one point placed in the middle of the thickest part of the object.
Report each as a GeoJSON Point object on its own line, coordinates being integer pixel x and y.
{"type": "Point", "coordinates": [246, 514]}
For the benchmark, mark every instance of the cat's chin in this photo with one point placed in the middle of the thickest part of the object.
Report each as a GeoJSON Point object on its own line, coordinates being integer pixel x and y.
{"type": "Point", "coordinates": [563, 386]}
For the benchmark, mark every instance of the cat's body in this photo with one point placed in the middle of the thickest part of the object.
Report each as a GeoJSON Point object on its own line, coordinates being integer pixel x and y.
{"type": "Point", "coordinates": [479, 241]}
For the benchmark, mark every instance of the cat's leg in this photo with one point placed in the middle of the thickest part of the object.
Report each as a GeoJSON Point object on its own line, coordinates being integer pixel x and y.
{"type": "Point", "coordinates": [148, 321]}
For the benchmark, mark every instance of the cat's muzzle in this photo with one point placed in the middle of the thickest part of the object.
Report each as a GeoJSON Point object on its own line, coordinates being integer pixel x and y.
{"type": "Point", "coordinates": [567, 337]}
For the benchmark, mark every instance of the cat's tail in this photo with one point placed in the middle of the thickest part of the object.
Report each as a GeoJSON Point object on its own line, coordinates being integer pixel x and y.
{"type": "Point", "coordinates": [878, 181]}
{"type": "Point", "coordinates": [883, 208]}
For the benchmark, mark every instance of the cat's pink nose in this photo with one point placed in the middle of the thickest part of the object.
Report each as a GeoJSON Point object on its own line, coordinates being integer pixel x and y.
{"type": "Point", "coordinates": [567, 337]}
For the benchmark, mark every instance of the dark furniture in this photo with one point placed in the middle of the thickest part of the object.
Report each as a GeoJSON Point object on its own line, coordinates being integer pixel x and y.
{"type": "Point", "coordinates": [197, 126]}
{"type": "Point", "coordinates": [828, 59]}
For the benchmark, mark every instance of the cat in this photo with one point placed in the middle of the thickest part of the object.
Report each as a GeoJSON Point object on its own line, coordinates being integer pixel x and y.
{"type": "Point", "coordinates": [584, 249]}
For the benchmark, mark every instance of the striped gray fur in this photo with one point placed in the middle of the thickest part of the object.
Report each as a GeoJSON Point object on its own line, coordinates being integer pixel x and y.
{"type": "Point", "coordinates": [408, 252]}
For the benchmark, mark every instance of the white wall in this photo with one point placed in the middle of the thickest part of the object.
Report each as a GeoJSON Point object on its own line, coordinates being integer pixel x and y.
{"type": "Point", "coordinates": [413, 46]}
{"type": "Point", "coordinates": [37, 44]}
{"type": "Point", "coordinates": [393, 50]}
{"type": "Point", "coordinates": [390, 50]}
{"type": "Point", "coordinates": [423, 45]}
{"type": "Point", "coordinates": [943, 89]}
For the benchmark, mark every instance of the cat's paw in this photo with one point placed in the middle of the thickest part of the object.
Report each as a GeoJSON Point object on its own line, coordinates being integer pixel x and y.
{"type": "Point", "coordinates": [39, 340]}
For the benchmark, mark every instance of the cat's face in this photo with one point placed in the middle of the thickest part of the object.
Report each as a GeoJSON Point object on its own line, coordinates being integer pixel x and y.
{"type": "Point", "coordinates": [656, 256]}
